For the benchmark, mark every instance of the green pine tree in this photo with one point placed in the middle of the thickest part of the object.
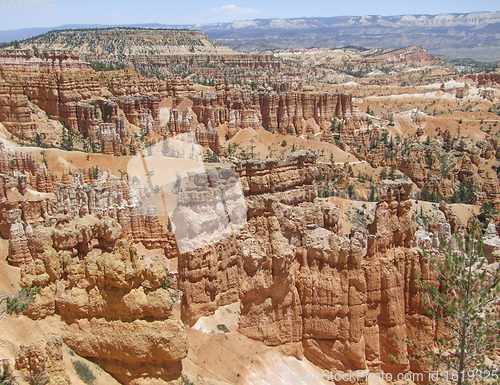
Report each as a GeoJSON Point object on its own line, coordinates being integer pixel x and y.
{"type": "Point", "coordinates": [464, 301]}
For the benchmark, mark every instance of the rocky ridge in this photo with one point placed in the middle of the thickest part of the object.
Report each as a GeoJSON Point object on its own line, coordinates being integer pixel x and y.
{"type": "Point", "coordinates": [157, 50]}
{"type": "Point", "coordinates": [298, 112]}
{"type": "Point", "coordinates": [413, 54]}
{"type": "Point", "coordinates": [60, 90]}
{"type": "Point", "coordinates": [344, 303]}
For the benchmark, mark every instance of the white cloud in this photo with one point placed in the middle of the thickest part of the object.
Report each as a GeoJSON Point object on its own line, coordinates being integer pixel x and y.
{"type": "Point", "coordinates": [234, 10]}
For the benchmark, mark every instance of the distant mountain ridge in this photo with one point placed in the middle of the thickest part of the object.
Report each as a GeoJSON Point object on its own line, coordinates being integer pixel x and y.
{"type": "Point", "coordinates": [475, 19]}
{"type": "Point", "coordinates": [475, 35]}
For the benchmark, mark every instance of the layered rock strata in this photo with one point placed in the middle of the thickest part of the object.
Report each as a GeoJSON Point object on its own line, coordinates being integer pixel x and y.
{"type": "Point", "coordinates": [43, 362]}
{"type": "Point", "coordinates": [209, 272]}
{"type": "Point", "coordinates": [485, 79]}
{"type": "Point", "coordinates": [298, 112]}
{"type": "Point", "coordinates": [113, 304]}
{"type": "Point", "coordinates": [346, 303]}
{"type": "Point", "coordinates": [68, 90]}
{"type": "Point", "coordinates": [74, 94]}
{"type": "Point", "coordinates": [155, 50]}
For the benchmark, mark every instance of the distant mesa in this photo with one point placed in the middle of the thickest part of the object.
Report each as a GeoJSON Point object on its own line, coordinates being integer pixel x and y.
{"type": "Point", "coordinates": [148, 50]}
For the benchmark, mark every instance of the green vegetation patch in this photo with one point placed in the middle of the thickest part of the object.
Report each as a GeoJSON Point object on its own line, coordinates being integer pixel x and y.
{"type": "Point", "coordinates": [84, 372]}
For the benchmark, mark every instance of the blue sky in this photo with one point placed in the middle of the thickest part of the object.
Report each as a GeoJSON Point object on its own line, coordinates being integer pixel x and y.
{"type": "Point", "coordinates": [202, 11]}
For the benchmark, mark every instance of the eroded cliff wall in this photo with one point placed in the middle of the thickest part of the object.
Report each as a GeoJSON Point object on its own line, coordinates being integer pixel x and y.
{"type": "Point", "coordinates": [346, 303]}
{"type": "Point", "coordinates": [115, 305]}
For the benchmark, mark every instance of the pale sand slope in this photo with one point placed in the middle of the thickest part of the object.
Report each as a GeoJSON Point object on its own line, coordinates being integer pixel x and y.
{"type": "Point", "coordinates": [267, 144]}
{"type": "Point", "coordinates": [232, 358]}
{"type": "Point", "coordinates": [217, 358]}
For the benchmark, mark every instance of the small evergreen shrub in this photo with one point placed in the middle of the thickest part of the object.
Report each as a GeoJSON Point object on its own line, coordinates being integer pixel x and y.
{"type": "Point", "coordinates": [84, 372]}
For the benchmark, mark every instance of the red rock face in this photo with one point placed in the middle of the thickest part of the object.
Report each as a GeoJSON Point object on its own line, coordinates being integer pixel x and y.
{"type": "Point", "coordinates": [64, 87]}
{"type": "Point", "coordinates": [488, 78]}
{"type": "Point", "coordinates": [298, 112]}
{"type": "Point", "coordinates": [180, 122]}
{"type": "Point", "coordinates": [273, 175]}
{"type": "Point", "coordinates": [142, 111]}
{"type": "Point", "coordinates": [45, 180]}
{"type": "Point", "coordinates": [104, 299]}
{"type": "Point", "coordinates": [209, 138]}
{"type": "Point", "coordinates": [347, 301]}
{"type": "Point", "coordinates": [409, 55]}
{"type": "Point", "coordinates": [110, 140]}
{"type": "Point", "coordinates": [43, 359]}
{"type": "Point", "coordinates": [490, 193]}
{"type": "Point", "coordinates": [392, 226]}
{"type": "Point", "coordinates": [55, 82]}
{"type": "Point", "coordinates": [270, 305]}
{"type": "Point", "coordinates": [68, 90]}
